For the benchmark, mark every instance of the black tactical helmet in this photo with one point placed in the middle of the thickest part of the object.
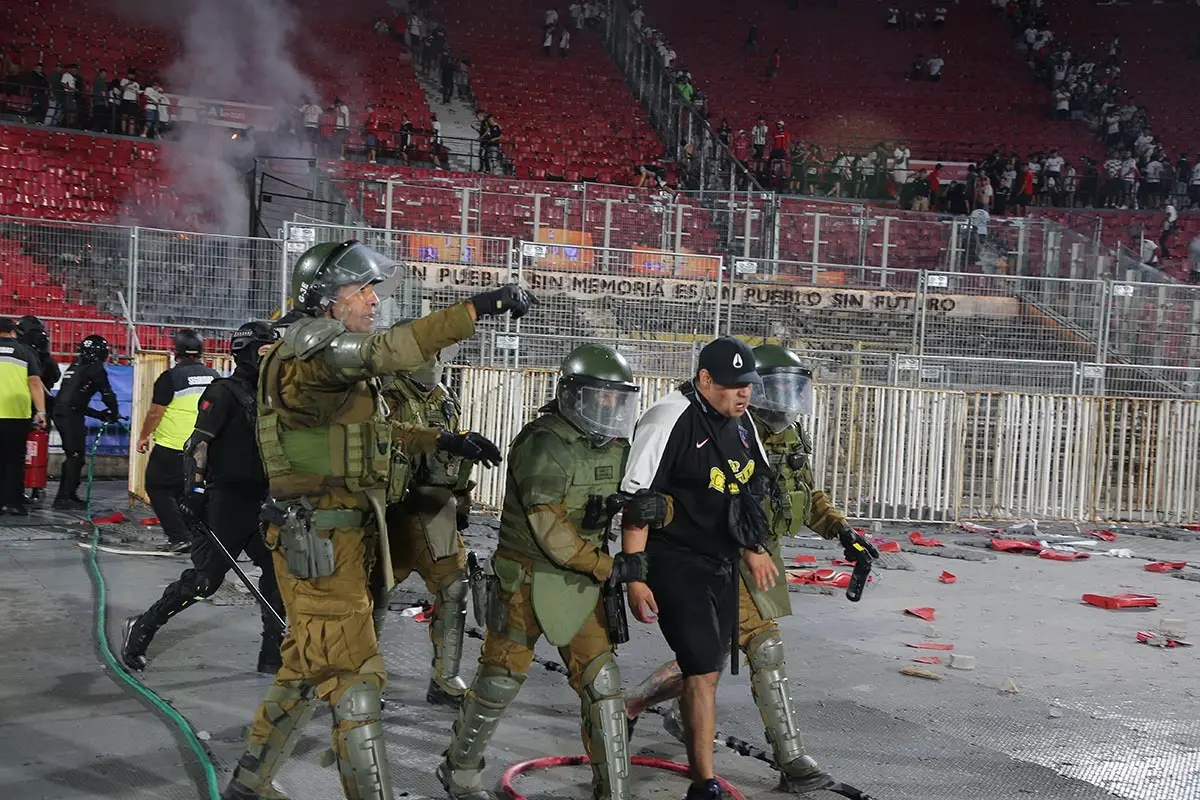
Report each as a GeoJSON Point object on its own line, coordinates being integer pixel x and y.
{"type": "Point", "coordinates": [188, 343]}
{"type": "Point", "coordinates": [32, 332]}
{"type": "Point", "coordinates": [94, 348]}
{"type": "Point", "coordinates": [247, 339]}
{"type": "Point", "coordinates": [29, 323]}
{"type": "Point", "coordinates": [323, 269]}
{"type": "Point", "coordinates": [787, 388]}
{"type": "Point", "coordinates": [596, 392]}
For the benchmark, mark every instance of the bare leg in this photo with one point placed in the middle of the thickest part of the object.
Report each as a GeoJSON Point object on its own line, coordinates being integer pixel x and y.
{"type": "Point", "coordinates": [699, 706]}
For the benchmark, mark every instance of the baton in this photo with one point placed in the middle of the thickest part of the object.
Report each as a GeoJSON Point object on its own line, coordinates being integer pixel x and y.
{"type": "Point", "coordinates": [245, 579]}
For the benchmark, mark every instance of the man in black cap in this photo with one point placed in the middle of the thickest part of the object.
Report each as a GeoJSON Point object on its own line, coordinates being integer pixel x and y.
{"type": "Point", "coordinates": [698, 473]}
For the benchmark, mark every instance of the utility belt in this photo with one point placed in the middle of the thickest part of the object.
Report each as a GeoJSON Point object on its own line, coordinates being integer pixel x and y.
{"type": "Point", "coordinates": [309, 554]}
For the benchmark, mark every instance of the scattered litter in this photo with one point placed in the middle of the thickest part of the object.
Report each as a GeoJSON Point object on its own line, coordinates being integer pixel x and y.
{"type": "Point", "coordinates": [149, 521]}
{"type": "Point", "coordinates": [929, 645]}
{"type": "Point", "coordinates": [421, 613]}
{"type": "Point", "coordinates": [947, 577]}
{"type": "Point", "coordinates": [1054, 713]}
{"type": "Point", "coordinates": [1117, 601]}
{"type": "Point", "coordinates": [1059, 555]}
{"type": "Point", "coordinates": [841, 562]}
{"type": "Point", "coordinates": [925, 613]}
{"type": "Point", "coordinates": [1008, 686]}
{"type": "Point", "coordinates": [824, 577]}
{"type": "Point", "coordinates": [917, 672]}
{"type": "Point", "coordinates": [1165, 566]}
{"type": "Point", "coordinates": [114, 517]}
{"type": "Point", "coordinates": [971, 527]}
{"type": "Point", "coordinates": [876, 527]}
{"type": "Point", "coordinates": [1030, 526]}
{"type": "Point", "coordinates": [1156, 639]}
{"type": "Point", "coordinates": [932, 633]}
{"type": "Point", "coordinates": [1106, 536]}
{"type": "Point", "coordinates": [804, 559]}
{"type": "Point", "coordinates": [962, 662]}
{"type": "Point", "coordinates": [203, 736]}
{"type": "Point", "coordinates": [1175, 628]}
{"type": "Point", "coordinates": [928, 660]}
{"type": "Point", "coordinates": [888, 546]}
{"type": "Point", "coordinates": [1121, 552]}
{"type": "Point", "coordinates": [1016, 545]}
{"type": "Point", "coordinates": [920, 541]}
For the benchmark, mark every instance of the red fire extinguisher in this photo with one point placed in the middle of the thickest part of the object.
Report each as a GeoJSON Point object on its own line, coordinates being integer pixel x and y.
{"type": "Point", "coordinates": [37, 459]}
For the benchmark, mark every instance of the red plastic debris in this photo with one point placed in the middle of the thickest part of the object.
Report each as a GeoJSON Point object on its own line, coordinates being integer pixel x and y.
{"type": "Point", "coordinates": [888, 546]}
{"type": "Point", "coordinates": [920, 541]}
{"type": "Point", "coordinates": [804, 559]}
{"type": "Point", "coordinates": [1192, 527]}
{"type": "Point", "coordinates": [947, 577]}
{"type": "Point", "coordinates": [115, 516]}
{"type": "Point", "coordinates": [929, 645]}
{"type": "Point", "coordinates": [1059, 555]}
{"type": "Point", "coordinates": [841, 562]}
{"type": "Point", "coordinates": [1165, 566]}
{"type": "Point", "coordinates": [1015, 545]}
{"type": "Point", "coordinates": [925, 613]}
{"type": "Point", "coordinates": [822, 577]}
{"type": "Point", "coordinates": [1117, 601]}
{"type": "Point", "coordinates": [150, 521]}
{"type": "Point", "coordinates": [1105, 536]}
{"type": "Point", "coordinates": [1160, 640]}
{"type": "Point", "coordinates": [928, 660]}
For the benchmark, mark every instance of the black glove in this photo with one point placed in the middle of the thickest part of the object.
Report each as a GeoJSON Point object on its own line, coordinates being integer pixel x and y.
{"type": "Point", "coordinates": [509, 297]}
{"type": "Point", "coordinates": [854, 543]}
{"type": "Point", "coordinates": [192, 504]}
{"type": "Point", "coordinates": [462, 519]}
{"type": "Point", "coordinates": [654, 509]}
{"type": "Point", "coordinates": [629, 567]}
{"type": "Point", "coordinates": [471, 446]}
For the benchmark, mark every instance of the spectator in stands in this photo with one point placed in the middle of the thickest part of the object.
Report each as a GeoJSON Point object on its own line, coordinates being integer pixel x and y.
{"type": "Point", "coordinates": [918, 18]}
{"type": "Point", "coordinates": [551, 20]}
{"type": "Point", "coordinates": [564, 42]}
{"type": "Point", "coordinates": [449, 70]}
{"type": "Point", "coordinates": [1146, 249]}
{"type": "Point", "coordinates": [1070, 184]}
{"type": "Point", "coordinates": [1062, 102]}
{"type": "Point", "coordinates": [976, 233]}
{"type": "Point", "coordinates": [576, 12]}
{"type": "Point", "coordinates": [893, 18]}
{"type": "Point", "coordinates": [101, 110]}
{"type": "Point", "coordinates": [341, 126]}
{"type": "Point", "coordinates": [131, 115]}
{"type": "Point", "coordinates": [916, 71]}
{"type": "Point", "coordinates": [741, 147]}
{"type": "Point", "coordinates": [779, 149]}
{"type": "Point", "coordinates": [956, 200]}
{"type": "Point", "coordinates": [547, 40]}
{"type": "Point", "coordinates": [39, 95]}
{"type": "Point", "coordinates": [1150, 193]}
{"type": "Point", "coordinates": [751, 45]}
{"type": "Point", "coordinates": [939, 16]}
{"type": "Point", "coordinates": [371, 132]}
{"type": "Point", "coordinates": [935, 68]}
{"type": "Point", "coordinates": [54, 112]}
{"type": "Point", "coordinates": [1170, 224]}
{"type": "Point", "coordinates": [414, 34]}
{"type": "Point", "coordinates": [1194, 183]}
{"type": "Point", "coordinates": [70, 97]}
{"type": "Point", "coordinates": [1024, 189]}
{"type": "Point", "coordinates": [900, 157]}
{"type": "Point", "coordinates": [381, 27]}
{"type": "Point", "coordinates": [311, 112]}
{"type": "Point", "coordinates": [462, 79]}
{"type": "Point", "coordinates": [441, 154]}
{"type": "Point", "coordinates": [758, 141]}
{"type": "Point", "coordinates": [1129, 179]}
{"type": "Point", "coordinates": [652, 175]}
{"type": "Point", "coordinates": [935, 187]}
{"type": "Point", "coordinates": [494, 158]}
{"type": "Point", "coordinates": [773, 65]}
{"type": "Point", "coordinates": [985, 195]}
{"type": "Point", "coordinates": [404, 140]}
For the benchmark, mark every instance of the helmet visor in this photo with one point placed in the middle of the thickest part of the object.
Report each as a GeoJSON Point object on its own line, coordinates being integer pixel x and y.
{"type": "Point", "coordinates": [787, 392]}
{"type": "Point", "coordinates": [599, 409]}
{"type": "Point", "coordinates": [358, 267]}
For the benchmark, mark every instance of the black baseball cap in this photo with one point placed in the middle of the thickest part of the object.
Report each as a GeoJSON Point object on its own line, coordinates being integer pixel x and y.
{"type": "Point", "coordinates": [730, 361]}
{"type": "Point", "coordinates": [7, 325]}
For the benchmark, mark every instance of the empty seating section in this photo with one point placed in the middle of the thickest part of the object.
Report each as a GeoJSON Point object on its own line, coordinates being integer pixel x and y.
{"type": "Point", "coordinates": [572, 117]}
{"type": "Point", "coordinates": [842, 80]}
{"type": "Point", "coordinates": [1159, 43]}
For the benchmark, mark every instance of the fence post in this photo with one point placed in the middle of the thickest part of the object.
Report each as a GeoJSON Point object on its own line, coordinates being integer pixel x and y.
{"type": "Point", "coordinates": [919, 317]}
{"type": "Point", "coordinates": [1105, 320]}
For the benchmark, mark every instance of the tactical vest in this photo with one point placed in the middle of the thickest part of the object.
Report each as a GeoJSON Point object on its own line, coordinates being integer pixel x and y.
{"type": "Point", "coordinates": [189, 379]}
{"type": "Point", "coordinates": [592, 471]}
{"type": "Point", "coordinates": [353, 449]}
{"type": "Point", "coordinates": [15, 368]}
{"type": "Point", "coordinates": [790, 455]}
{"type": "Point", "coordinates": [437, 408]}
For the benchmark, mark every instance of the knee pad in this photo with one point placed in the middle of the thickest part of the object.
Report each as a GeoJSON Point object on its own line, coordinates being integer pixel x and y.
{"type": "Point", "coordinates": [496, 687]}
{"type": "Point", "coordinates": [766, 651]}
{"type": "Point", "coordinates": [601, 677]}
{"type": "Point", "coordinates": [360, 702]}
{"type": "Point", "coordinates": [456, 588]}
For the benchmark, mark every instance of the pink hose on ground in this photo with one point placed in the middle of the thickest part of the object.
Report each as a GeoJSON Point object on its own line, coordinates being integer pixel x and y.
{"type": "Point", "coordinates": [549, 762]}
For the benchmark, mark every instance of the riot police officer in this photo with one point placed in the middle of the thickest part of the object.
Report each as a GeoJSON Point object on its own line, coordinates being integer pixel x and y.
{"type": "Point", "coordinates": [170, 421]}
{"type": "Point", "coordinates": [85, 378]}
{"type": "Point", "coordinates": [792, 504]}
{"type": "Point", "coordinates": [225, 486]}
{"type": "Point", "coordinates": [31, 332]}
{"type": "Point", "coordinates": [550, 568]}
{"type": "Point", "coordinates": [424, 528]}
{"type": "Point", "coordinates": [328, 453]}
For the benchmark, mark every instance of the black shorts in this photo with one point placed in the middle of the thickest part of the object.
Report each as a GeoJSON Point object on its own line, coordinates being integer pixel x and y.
{"type": "Point", "coordinates": [697, 605]}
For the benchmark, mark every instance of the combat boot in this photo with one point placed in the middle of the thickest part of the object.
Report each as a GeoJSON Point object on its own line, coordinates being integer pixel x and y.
{"type": "Point", "coordinates": [443, 774]}
{"type": "Point", "coordinates": [449, 624]}
{"type": "Point", "coordinates": [709, 790]}
{"type": "Point", "coordinates": [136, 636]}
{"type": "Point", "coordinates": [235, 791]}
{"type": "Point", "coordinates": [802, 775]}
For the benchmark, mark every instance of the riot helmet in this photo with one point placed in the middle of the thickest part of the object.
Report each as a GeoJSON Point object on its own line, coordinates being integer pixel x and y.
{"type": "Point", "coordinates": [32, 332]}
{"type": "Point", "coordinates": [787, 388]}
{"type": "Point", "coordinates": [324, 269]}
{"type": "Point", "coordinates": [246, 341]}
{"type": "Point", "coordinates": [596, 392]}
{"type": "Point", "coordinates": [94, 349]}
{"type": "Point", "coordinates": [188, 344]}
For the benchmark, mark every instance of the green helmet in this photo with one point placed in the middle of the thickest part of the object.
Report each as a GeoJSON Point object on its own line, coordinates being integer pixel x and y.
{"type": "Point", "coordinates": [324, 269]}
{"type": "Point", "coordinates": [787, 387]}
{"type": "Point", "coordinates": [596, 392]}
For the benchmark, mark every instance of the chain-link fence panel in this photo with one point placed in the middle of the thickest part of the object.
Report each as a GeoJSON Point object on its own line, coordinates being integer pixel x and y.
{"type": "Point", "coordinates": [1140, 380]}
{"type": "Point", "coordinates": [645, 356]}
{"type": "Point", "coordinates": [1156, 324]}
{"type": "Point", "coordinates": [988, 374]}
{"type": "Point", "coordinates": [1000, 316]}
{"type": "Point", "coordinates": [205, 281]}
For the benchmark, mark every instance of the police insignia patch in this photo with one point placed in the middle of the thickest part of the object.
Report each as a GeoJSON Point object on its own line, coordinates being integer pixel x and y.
{"type": "Point", "coordinates": [605, 473]}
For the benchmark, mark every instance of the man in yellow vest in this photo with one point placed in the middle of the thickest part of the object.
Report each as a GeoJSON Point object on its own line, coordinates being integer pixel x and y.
{"type": "Point", "coordinates": [21, 391]}
{"type": "Point", "coordinates": [170, 421]}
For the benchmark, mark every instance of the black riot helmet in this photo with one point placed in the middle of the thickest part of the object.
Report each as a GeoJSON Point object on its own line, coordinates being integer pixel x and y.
{"type": "Point", "coordinates": [31, 331]}
{"type": "Point", "coordinates": [188, 344]}
{"type": "Point", "coordinates": [247, 339]}
{"type": "Point", "coordinates": [94, 349]}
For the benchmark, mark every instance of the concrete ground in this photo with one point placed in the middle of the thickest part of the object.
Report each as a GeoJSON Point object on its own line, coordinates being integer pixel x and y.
{"type": "Point", "coordinates": [1063, 702]}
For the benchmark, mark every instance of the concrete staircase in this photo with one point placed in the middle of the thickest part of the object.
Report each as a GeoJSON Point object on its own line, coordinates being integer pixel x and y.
{"type": "Point", "coordinates": [457, 118]}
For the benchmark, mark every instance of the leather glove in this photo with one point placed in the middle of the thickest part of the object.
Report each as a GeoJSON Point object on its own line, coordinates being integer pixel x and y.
{"type": "Point", "coordinates": [192, 503]}
{"type": "Point", "coordinates": [854, 543]}
{"type": "Point", "coordinates": [508, 298]}
{"type": "Point", "coordinates": [462, 519]}
{"type": "Point", "coordinates": [471, 446]}
{"type": "Point", "coordinates": [647, 507]}
{"type": "Point", "coordinates": [628, 567]}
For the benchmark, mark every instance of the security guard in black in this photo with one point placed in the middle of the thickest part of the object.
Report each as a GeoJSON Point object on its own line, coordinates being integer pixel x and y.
{"type": "Point", "coordinates": [84, 379]}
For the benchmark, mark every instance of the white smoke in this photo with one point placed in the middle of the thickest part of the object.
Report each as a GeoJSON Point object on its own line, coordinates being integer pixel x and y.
{"type": "Point", "coordinates": [235, 50]}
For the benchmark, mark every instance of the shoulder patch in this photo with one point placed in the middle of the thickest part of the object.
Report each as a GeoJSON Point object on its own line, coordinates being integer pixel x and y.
{"type": "Point", "coordinates": [309, 336]}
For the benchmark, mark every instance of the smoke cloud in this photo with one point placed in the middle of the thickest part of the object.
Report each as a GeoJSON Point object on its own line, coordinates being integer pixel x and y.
{"type": "Point", "coordinates": [235, 50]}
